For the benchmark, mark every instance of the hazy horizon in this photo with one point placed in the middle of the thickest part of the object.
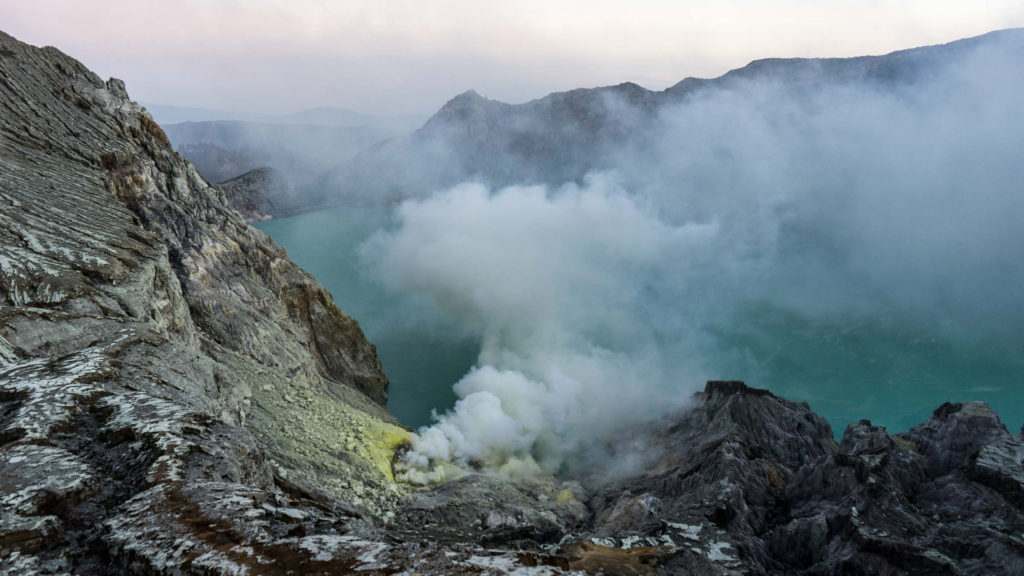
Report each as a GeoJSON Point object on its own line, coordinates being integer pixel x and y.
{"type": "Point", "coordinates": [397, 58]}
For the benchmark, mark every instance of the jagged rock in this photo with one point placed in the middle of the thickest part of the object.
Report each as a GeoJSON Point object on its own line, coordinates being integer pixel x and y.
{"type": "Point", "coordinates": [761, 476]}
{"type": "Point", "coordinates": [1000, 466]}
{"type": "Point", "coordinates": [723, 466]}
{"type": "Point", "coordinates": [954, 433]}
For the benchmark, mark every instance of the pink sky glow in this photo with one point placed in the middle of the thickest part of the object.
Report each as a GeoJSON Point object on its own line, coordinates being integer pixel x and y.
{"type": "Point", "coordinates": [402, 56]}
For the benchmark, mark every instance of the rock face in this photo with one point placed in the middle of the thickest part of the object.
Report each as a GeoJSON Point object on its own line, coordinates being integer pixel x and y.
{"type": "Point", "coordinates": [756, 484]}
{"type": "Point", "coordinates": [158, 357]}
{"type": "Point", "coordinates": [177, 397]}
{"type": "Point", "coordinates": [261, 194]}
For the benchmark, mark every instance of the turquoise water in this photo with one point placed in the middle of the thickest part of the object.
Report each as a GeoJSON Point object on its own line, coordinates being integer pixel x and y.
{"type": "Point", "coordinates": [421, 362]}
{"type": "Point", "coordinates": [892, 370]}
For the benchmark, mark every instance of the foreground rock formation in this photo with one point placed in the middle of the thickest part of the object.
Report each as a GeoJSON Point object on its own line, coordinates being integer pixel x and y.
{"type": "Point", "coordinates": [160, 359]}
{"type": "Point", "coordinates": [177, 397]}
{"type": "Point", "coordinates": [763, 477]}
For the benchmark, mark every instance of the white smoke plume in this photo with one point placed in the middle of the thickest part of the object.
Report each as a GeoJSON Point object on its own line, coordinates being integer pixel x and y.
{"type": "Point", "coordinates": [552, 282]}
{"type": "Point", "coordinates": [599, 306]}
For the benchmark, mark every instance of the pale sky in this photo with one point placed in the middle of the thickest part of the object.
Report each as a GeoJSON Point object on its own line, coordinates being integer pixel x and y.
{"type": "Point", "coordinates": [409, 56]}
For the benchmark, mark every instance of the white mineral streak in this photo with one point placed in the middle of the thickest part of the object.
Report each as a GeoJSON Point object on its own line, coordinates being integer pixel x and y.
{"type": "Point", "coordinates": [54, 389]}
{"type": "Point", "coordinates": [41, 471]}
{"type": "Point", "coordinates": [162, 421]}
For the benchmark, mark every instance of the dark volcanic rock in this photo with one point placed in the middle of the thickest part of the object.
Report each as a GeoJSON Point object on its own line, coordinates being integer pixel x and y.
{"type": "Point", "coordinates": [761, 477]}
{"type": "Point", "coordinates": [954, 433]}
{"type": "Point", "coordinates": [724, 466]}
{"type": "Point", "coordinates": [1000, 466]}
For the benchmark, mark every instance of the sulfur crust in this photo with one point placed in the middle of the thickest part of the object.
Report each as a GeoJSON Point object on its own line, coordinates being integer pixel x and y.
{"type": "Point", "coordinates": [381, 442]}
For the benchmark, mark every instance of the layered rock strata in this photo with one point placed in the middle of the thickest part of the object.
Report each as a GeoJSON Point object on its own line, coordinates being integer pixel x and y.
{"type": "Point", "coordinates": [170, 382]}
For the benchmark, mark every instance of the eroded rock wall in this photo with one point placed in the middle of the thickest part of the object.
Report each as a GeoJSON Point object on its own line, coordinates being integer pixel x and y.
{"type": "Point", "coordinates": [162, 365]}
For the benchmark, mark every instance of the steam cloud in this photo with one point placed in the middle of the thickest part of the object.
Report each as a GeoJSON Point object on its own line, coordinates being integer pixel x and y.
{"type": "Point", "coordinates": [552, 281]}
{"type": "Point", "coordinates": [598, 306]}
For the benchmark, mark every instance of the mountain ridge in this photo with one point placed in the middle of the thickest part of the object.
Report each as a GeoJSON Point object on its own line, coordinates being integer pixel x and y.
{"type": "Point", "coordinates": [563, 136]}
{"type": "Point", "coordinates": [319, 116]}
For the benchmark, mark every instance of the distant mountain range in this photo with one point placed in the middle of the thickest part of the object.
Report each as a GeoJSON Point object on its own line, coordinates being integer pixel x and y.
{"type": "Point", "coordinates": [294, 151]}
{"type": "Point", "coordinates": [325, 116]}
{"type": "Point", "coordinates": [336, 156]}
{"type": "Point", "coordinates": [301, 153]}
{"type": "Point", "coordinates": [563, 136]}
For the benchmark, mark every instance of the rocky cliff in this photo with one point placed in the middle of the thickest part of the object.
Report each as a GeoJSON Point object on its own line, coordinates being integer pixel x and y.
{"type": "Point", "coordinates": [177, 397]}
{"type": "Point", "coordinates": [163, 364]}
{"type": "Point", "coordinates": [261, 194]}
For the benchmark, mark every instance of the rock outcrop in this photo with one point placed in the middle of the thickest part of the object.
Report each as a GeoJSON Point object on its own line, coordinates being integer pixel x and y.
{"type": "Point", "coordinates": [756, 484]}
{"type": "Point", "coordinates": [260, 194]}
{"type": "Point", "coordinates": [177, 397]}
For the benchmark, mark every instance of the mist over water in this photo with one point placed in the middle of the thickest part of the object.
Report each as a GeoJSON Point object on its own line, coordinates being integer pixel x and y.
{"type": "Point", "coordinates": [853, 245]}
